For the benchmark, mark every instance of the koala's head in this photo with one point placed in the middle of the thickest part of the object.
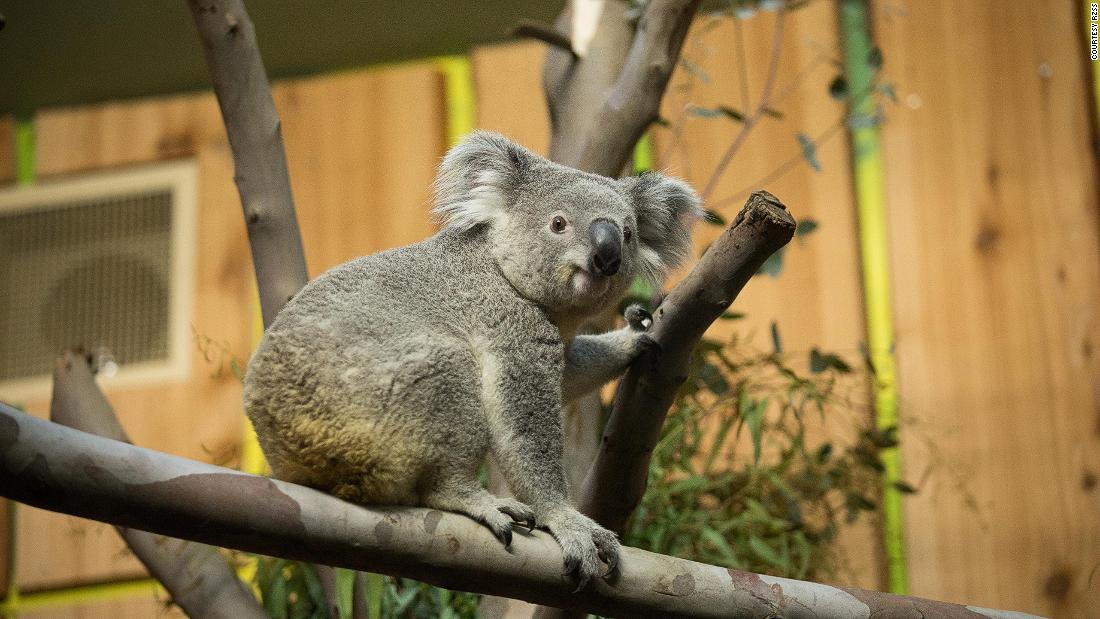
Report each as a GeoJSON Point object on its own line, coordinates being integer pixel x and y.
{"type": "Point", "coordinates": [565, 239]}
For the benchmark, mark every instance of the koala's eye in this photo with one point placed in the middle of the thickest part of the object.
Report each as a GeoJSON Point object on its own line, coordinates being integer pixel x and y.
{"type": "Point", "coordinates": [558, 224]}
{"type": "Point", "coordinates": [626, 235]}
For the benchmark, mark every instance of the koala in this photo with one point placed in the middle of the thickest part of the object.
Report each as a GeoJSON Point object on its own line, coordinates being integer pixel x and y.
{"type": "Point", "coordinates": [389, 378]}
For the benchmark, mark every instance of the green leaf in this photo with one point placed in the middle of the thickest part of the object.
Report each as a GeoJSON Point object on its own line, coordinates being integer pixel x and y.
{"type": "Point", "coordinates": [888, 91]}
{"type": "Point", "coordinates": [764, 552]}
{"type": "Point", "coordinates": [806, 226]}
{"type": "Point", "coordinates": [275, 599]}
{"type": "Point", "coordinates": [721, 110]}
{"type": "Point", "coordinates": [720, 544]}
{"type": "Point", "coordinates": [874, 58]}
{"type": "Point", "coordinates": [819, 362]}
{"type": "Point", "coordinates": [884, 438]}
{"type": "Point", "coordinates": [777, 342]}
{"type": "Point", "coordinates": [809, 151]}
{"type": "Point", "coordinates": [719, 440]}
{"type": "Point", "coordinates": [662, 122]}
{"type": "Point", "coordinates": [712, 217]}
{"type": "Point", "coordinates": [824, 452]}
{"type": "Point", "coordinates": [904, 488]}
{"type": "Point", "coordinates": [713, 379]}
{"type": "Point", "coordinates": [838, 88]}
{"type": "Point", "coordinates": [731, 113]}
{"type": "Point", "coordinates": [375, 585]}
{"type": "Point", "coordinates": [731, 316]}
{"type": "Point", "coordinates": [773, 266]}
{"type": "Point", "coordinates": [695, 70]}
{"type": "Point", "coordinates": [313, 586]}
{"type": "Point", "coordinates": [754, 420]}
{"type": "Point", "coordinates": [857, 501]}
{"type": "Point", "coordinates": [703, 112]}
{"type": "Point", "coordinates": [345, 586]}
{"type": "Point", "coordinates": [687, 484]}
{"type": "Point", "coordinates": [774, 113]}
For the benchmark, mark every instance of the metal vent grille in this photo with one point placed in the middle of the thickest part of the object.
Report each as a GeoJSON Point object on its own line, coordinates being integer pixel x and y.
{"type": "Point", "coordinates": [91, 264]}
{"type": "Point", "coordinates": [91, 273]}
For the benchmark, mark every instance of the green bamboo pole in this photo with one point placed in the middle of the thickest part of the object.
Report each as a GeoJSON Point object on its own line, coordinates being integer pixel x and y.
{"type": "Point", "coordinates": [24, 150]}
{"type": "Point", "coordinates": [874, 250]}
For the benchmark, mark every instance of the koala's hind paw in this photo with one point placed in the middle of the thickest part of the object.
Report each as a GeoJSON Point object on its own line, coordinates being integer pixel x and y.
{"type": "Point", "coordinates": [638, 318]}
{"type": "Point", "coordinates": [584, 544]}
{"type": "Point", "coordinates": [499, 515]}
{"type": "Point", "coordinates": [495, 513]}
{"type": "Point", "coordinates": [519, 512]}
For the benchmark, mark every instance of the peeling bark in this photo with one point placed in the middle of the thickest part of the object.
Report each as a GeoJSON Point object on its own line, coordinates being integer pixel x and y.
{"type": "Point", "coordinates": [195, 575]}
{"type": "Point", "coordinates": [61, 469]}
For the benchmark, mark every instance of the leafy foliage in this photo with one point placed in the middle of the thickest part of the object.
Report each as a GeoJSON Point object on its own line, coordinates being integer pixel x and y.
{"type": "Point", "coordinates": [738, 478]}
{"type": "Point", "coordinates": [292, 590]}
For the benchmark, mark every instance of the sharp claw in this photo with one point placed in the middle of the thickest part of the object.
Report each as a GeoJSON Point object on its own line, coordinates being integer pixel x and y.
{"type": "Point", "coordinates": [581, 584]}
{"type": "Point", "coordinates": [531, 523]}
{"type": "Point", "coordinates": [506, 537]}
{"type": "Point", "coordinates": [612, 564]}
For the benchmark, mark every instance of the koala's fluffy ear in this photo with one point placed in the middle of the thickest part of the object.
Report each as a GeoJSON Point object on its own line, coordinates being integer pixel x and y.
{"type": "Point", "coordinates": [666, 208]}
{"type": "Point", "coordinates": [477, 179]}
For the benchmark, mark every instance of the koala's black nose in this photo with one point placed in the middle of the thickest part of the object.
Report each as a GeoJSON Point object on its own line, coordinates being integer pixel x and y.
{"type": "Point", "coordinates": [607, 253]}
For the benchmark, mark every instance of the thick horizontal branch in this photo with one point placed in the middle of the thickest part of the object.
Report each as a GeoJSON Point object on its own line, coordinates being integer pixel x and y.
{"type": "Point", "coordinates": [195, 575]}
{"type": "Point", "coordinates": [649, 387]}
{"type": "Point", "coordinates": [57, 468]}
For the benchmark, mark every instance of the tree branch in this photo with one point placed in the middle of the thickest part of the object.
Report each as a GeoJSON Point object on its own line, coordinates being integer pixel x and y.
{"type": "Point", "coordinates": [255, 136]}
{"type": "Point", "coordinates": [57, 468]}
{"type": "Point", "coordinates": [649, 387]}
{"type": "Point", "coordinates": [195, 575]}
{"type": "Point", "coordinates": [634, 102]}
{"type": "Point", "coordinates": [541, 32]}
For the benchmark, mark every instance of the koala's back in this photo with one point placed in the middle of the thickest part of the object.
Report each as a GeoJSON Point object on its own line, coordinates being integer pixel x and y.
{"type": "Point", "coordinates": [358, 385]}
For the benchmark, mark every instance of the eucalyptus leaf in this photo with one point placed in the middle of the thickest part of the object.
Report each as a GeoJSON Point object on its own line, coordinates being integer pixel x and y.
{"type": "Point", "coordinates": [819, 362]}
{"type": "Point", "coordinates": [754, 420]}
{"type": "Point", "coordinates": [764, 551]}
{"type": "Point", "coordinates": [713, 218]}
{"type": "Point", "coordinates": [904, 488]}
{"type": "Point", "coordinates": [773, 266]}
{"type": "Point", "coordinates": [726, 551]}
{"type": "Point", "coordinates": [838, 88]}
{"type": "Point", "coordinates": [805, 226]}
{"type": "Point", "coordinates": [809, 151]}
{"type": "Point", "coordinates": [874, 58]}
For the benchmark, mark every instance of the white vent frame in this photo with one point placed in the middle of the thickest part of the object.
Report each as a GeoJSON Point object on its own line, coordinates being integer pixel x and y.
{"type": "Point", "coordinates": [181, 178]}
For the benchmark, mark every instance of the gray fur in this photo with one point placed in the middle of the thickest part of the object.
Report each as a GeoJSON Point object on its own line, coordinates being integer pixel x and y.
{"type": "Point", "coordinates": [387, 379]}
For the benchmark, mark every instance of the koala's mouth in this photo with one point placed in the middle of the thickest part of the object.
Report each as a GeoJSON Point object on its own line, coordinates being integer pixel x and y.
{"type": "Point", "coordinates": [586, 283]}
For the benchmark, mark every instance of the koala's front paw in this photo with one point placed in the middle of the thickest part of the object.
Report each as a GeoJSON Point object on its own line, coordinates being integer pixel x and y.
{"type": "Point", "coordinates": [638, 318]}
{"type": "Point", "coordinates": [583, 545]}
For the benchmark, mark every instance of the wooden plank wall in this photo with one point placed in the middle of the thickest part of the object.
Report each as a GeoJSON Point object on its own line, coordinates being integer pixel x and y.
{"type": "Point", "coordinates": [362, 148]}
{"type": "Point", "coordinates": [993, 195]}
{"type": "Point", "coordinates": [992, 189]}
